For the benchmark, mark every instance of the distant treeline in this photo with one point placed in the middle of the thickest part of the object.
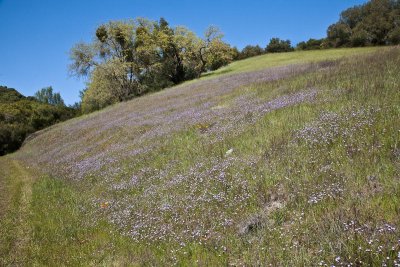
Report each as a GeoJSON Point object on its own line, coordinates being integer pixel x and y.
{"type": "Point", "coordinates": [376, 22]}
{"type": "Point", "coordinates": [21, 116]}
{"type": "Point", "coordinates": [130, 58]}
{"type": "Point", "coordinates": [275, 45]}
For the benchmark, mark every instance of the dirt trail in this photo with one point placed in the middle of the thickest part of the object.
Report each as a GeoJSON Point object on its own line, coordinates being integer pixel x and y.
{"type": "Point", "coordinates": [16, 190]}
{"type": "Point", "coordinates": [4, 198]}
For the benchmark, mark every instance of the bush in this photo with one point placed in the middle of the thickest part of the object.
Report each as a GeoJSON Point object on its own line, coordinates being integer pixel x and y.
{"type": "Point", "coordinates": [360, 37]}
{"type": "Point", "coordinates": [311, 44]}
{"type": "Point", "coordinates": [276, 45]}
{"type": "Point", "coordinates": [21, 116]}
{"type": "Point", "coordinates": [394, 36]}
{"type": "Point", "coordinates": [251, 51]}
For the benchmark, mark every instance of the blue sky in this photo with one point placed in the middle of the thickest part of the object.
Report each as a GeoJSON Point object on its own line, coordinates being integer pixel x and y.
{"type": "Point", "coordinates": [36, 35]}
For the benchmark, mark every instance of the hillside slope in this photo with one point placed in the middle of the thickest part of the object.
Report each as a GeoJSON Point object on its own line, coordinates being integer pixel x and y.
{"type": "Point", "coordinates": [289, 165]}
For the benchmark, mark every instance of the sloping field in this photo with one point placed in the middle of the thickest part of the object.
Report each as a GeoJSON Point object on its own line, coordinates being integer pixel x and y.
{"type": "Point", "coordinates": [283, 59]}
{"type": "Point", "coordinates": [288, 165]}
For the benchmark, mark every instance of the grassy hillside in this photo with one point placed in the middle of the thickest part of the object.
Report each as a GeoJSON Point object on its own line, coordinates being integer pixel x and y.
{"type": "Point", "coordinates": [282, 59]}
{"type": "Point", "coordinates": [287, 165]}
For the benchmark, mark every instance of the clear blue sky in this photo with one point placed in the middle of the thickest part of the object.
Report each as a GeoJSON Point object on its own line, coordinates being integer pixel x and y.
{"type": "Point", "coordinates": [36, 35]}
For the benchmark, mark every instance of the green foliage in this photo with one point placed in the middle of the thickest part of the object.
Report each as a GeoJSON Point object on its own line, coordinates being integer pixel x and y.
{"type": "Point", "coordinates": [360, 37]}
{"type": "Point", "coordinates": [21, 116]}
{"type": "Point", "coordinates": [276, 45]}
{"type": "Point", "coordinates": [102, 90]}
{"type": "Point", "coordinates": [235, 53]}
{"type": "Point", "coordinates": [311, 44]}
{"type": "Point", "coordinates": [394, 36]}
{"type": "Point", "coordinates": [251, 51]}
{"type": "Point", "coordinates": [339, 34]}
{"type": "Point", "coordinates": [373, 23]}
{"type": "Point", "coordinates": [213, 52]}
{"type": "Point", "coordinates": [46, 95]}
{"type": "Point", "coordinates": [9, 95]}
{"type": "Point", "coordinates": [130, 58]}
{"type": "Point", "coordinates": [219, 55]}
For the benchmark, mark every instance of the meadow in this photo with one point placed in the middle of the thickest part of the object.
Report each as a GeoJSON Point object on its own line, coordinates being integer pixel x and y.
{"type": "Point", "coordinates": [290, 159]}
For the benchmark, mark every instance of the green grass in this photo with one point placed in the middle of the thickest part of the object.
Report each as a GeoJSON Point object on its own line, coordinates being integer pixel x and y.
{"type": "Point", "coordinates": [14, 212]}
{"type": "Point", "coordinates": [313, 202]}
{"type": "Point", "coordinates": [283, 59]}
{"type": "Point", "coordinates": [64, 232]}
{"type": "Point", "coordinates": [55, 226]}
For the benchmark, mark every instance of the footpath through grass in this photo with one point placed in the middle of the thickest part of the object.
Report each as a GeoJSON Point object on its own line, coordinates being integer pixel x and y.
{"type": "Point", "coordinates": [16, 193]}
{"type": "Point", "coordinates": [44, 222]}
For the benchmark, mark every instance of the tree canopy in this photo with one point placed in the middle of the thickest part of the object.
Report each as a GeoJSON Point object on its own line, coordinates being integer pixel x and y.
{"type": "Point", "coordinates": [21, 116]}
{"type": "Point", "coordinates": [46, 95]}
{"type": "Point", "coordinates": [129, 58]}
{"type": "Point", "coordinates": [311, 44]}
{"type": "Point", "coordinates": [376, 22]}
{"type": "Point", "coordinates": [277, 45]}
{"type": "Point", "coordinates": [251, 51]}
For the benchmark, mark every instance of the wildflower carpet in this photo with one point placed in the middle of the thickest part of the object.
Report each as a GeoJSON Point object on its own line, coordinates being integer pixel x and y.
{"type": "Point", "coordinates": [289, 159]}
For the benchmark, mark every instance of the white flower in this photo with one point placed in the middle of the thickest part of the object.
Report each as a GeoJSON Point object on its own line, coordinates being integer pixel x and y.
{"type": "Point", "coordinates": [229, 152]}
